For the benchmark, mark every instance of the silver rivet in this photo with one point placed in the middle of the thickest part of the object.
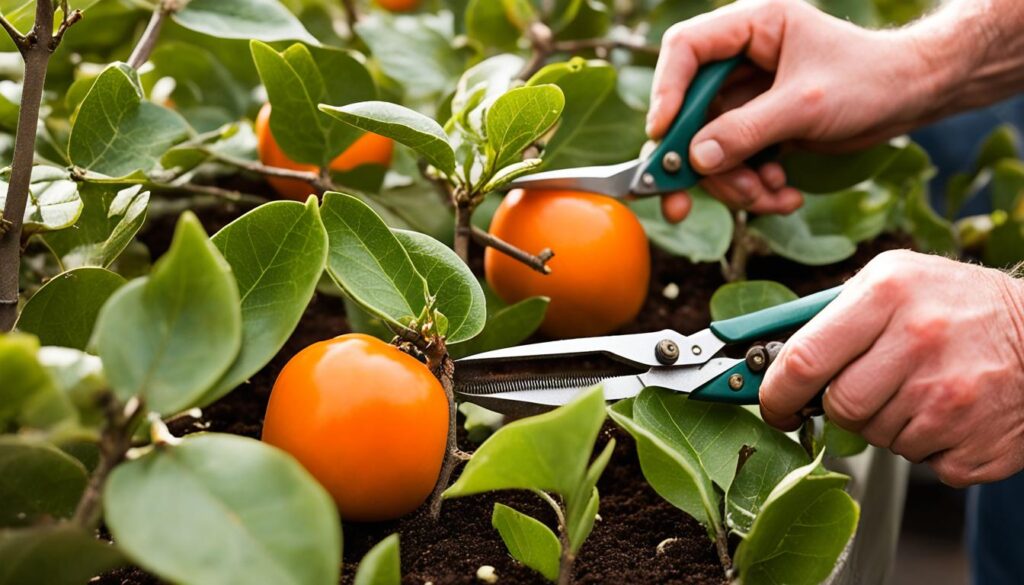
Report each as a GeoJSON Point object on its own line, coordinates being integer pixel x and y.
{"type": "Point", "coordinates": [696, 350]}
{"type": "Point", "coordinates": [647, 179]}
{"type": "Point", "coordinates": [758, 359]}
{"type": "Point", "coordinates": [667, 352]}
{"type": "Point", "coordinates": [736, 381]}
{"type": "Point", "coordinates": [672, 162]}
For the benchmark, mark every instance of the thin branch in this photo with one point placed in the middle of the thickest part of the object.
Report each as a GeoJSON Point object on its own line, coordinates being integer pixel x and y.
{"type": "Point", "coordinates": [319, 182]}
{"type": "Point", "coordinates": [20, 40]}
{"type": "Point", "coordinates": [228, 195]}
{"type": "Point", "coordinates": [538, 262]}
{"type": "Point", "coordinates": [68, 22]}
{"type": "Point", "coordinates": [144, 48]}
{"type": "Point", "coordinates": [351, 14]}
{"type": "Point", "coordinates": [567, 559]}
{"type": "Point", "coordinates": [463, 229]}
{"type": "Point", "coordinates": [540, 37]}
{"type": "Point", "coordinates": [722, 547]}
{"type": "Point", "coordinates": [115, 442]}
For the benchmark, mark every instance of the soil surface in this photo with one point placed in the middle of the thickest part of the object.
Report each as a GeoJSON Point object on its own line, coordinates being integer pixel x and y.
{"type": "Point", "coordinates": [639, 537]}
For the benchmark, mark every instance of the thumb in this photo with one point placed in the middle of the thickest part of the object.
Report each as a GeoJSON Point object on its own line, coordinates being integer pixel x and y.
{"type": "Point", "coordinates": [736, 135]}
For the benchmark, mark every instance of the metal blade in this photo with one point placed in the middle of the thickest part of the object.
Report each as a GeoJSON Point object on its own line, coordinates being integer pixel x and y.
{"type": "Point", "coordinates": [687, 379]}
{"type": "Point", "coordinates": [612, 180]}
{"type": "Point", "coordinates": [529, 397]}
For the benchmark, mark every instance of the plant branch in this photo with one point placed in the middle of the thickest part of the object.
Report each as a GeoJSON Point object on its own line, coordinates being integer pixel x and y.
{"type": "Point", "coordinates": [540, 37]}
{"type": "Point", "coordinates": [722, 547]}
{"type": "Point", "coordinates": [68, 21]}
{"type": "Point", "coordinates": [351, 14]}
{"type": "Point", "coordinates": [35, 50]}
{"type": "Point", "coordinates": [228, 195]}
{"type": "Point", "coordinates": [735, 268]}
{"type": "Point", "coordinates": [320, 183]}
{"type": "Point", "coordinates": [144, 48]}
{"type": "Point", "coordinates": [20, 40]}
{"type": "Point", "coordinates": [567, 559]}
{"type": "Point", "coordinates": [463, 228]}
{"type": "Point", "coordinates": [453, 456]}
{"type": "Point", "coordinates": [538, 262]}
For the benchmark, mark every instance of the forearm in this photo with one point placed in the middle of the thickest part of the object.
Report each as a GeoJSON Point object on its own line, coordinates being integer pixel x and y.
{"type": "Point", "coordinates": [973, 51]}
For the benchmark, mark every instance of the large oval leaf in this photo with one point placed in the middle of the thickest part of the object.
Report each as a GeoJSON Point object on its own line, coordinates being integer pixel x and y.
{"type": "Point", "coordinates": [53, 200]}
{"type": "Point", "coordinates": [381, 565]}
{"type": "Point", "coordinates": [528, 540]}
{"type": "Point", "coordinates": [739, 298]}
{"type": "Point", "coordinates": [704, 236]}
{"type": "Point", "coordinates": [277, 253]}
{"type": "Point", "coordinates": [459, 295]}
{"type": "Point", "coordinates": [62, 554]}
{"type": "Point", "coordinates": [271, 520]}
{"type": "Point", "coordinates": [116, 132]}
{"type": "Point", "coordinates": [23, 376]}
{"type": "Point", "coordinates": [169, 337]}
{"type": "Point", "coordinates": [505, 327]}
{"type": "Point", "coordinates": [266, 20]}
{"type": "Point", "coordinates": [37, 481]}
{"type": "Point", "coordinates": [63, 312]}
{"type": "Point", "coordinates": [789, 236]}
{"type": "Point", "coordinates": [816, 172]}
{"type": "Point", "coordinates": [401, 124]}
{"type": "Point", "coordinates": [110, 219]}
{"type": "Point", "coordinates": [369, 263]}
{"type": "Point", "coordinates": [518, 118]}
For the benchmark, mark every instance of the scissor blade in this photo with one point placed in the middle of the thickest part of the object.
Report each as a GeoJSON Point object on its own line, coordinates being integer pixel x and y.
{"type": "Point", "coordinates": [528, 397]}
{"type": "Point", "coordinates": [612, 180]}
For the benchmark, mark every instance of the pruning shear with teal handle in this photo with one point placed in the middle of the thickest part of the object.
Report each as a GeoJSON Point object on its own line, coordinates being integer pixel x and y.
{"type": "Point", "coordinates": [532, 378]}
{"type": "Point", "coordinates": [667, 169]}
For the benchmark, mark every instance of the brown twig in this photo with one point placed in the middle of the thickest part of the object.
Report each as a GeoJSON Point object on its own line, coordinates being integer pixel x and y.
{"type": "Point", "coordinates": [463, 228]}
{"type": "Point", "coordinates": [144, 48]}
{"type": "Point", "coordinates": [318, 181]}
{"type": "Point", "coordinates": [743, 243]}
{"type": "Point", "coordinates": [722, 548]}
{"type": "Point", "coordinates": [537, 262]}
{"type": "Point", "coordinates": [228, 195]}
{"type": "Point", "coordinates": [567, 558]}
{"type": "Point", "coordinates": [36, 49]}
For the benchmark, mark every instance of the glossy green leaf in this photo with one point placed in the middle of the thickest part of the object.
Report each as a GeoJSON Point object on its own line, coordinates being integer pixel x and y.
{"type": "Point", "coordinates": [277, 253]}
{"type": "Point", "coordinates": [37, 482]}
{"type": "Point", "coordinates": [369, 263]}
{"type": "Point", "coordinates": [381, 565]}
{"type": "Point", "coordinates": [739, 298]}
{"type": "Point", "coordinates": [56, 555]}
{"type": "Point", "coordinates": [505, 327]}
{"type": "Point", "coordinates": [490, 24]}
{"type": "Point", "coordinates": [931, 232]}
{"type": "Point", "coordinates": [116, 132]}
{"type": "Point", "coordinates": [63, 312]}
{"type": "Point", "coordinates": [53, 200]}
{"type": "Point", "coordinates": [581, 508]}
{"type": "Point", "coordinates": [484, 82]}
{"type": "Point", "coordinates": [266, 20]}
{"type": "Point", "coordinates": [272, 521]}
{"type": "Point", "coordinates": [704, 236]}
{"type": "Point", "coordinates": [414, 50]}
{"type": "Point", "coordinates": [22, 374]}
{"type": "Point", "coordinates": [402, 125]}
{"type": "Point", "coordinates": [529, 541]}
{"type": "Point", "coordinates": [676, 475]}
{"type": "Point", "coordinates": [171, 336]}
{"type": "Point", "coordinates": [816, 172]}
{"type": "Point", "coordinates": [859, 214]}
{"type": "Point", "coordinates": [110, 219]}
{"type": "Point", "coordinates": [840, 442]}
{"type": "Point", "coordinates": [1005, 245]}
{"type": "Point", "coordinates": [791, 237]}
{"type": "Point", "coordinates": [801, 530]}
{"type": "Point", "coordinates": [518, 118]}
{"type": "Point", "coordinates": [205, 91]}
{"type": "Point", "coordinates": [79, 381]}
{"type": "Point", "coordinates": [450, 281]}
{"type": "Point", "coordinates": [546, 452]}
{"type": "Point", "coordinates": [298, 81]}
{"type": "Point", "coordinates": [1003, 143]}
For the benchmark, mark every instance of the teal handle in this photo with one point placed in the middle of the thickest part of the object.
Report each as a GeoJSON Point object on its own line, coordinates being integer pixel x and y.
{"type": "Point", "coordinates": [777, 319]}
{"type": "Point", "coordinates": [722, 390]}
{"type": "Point", "coordinates": [669, 165]}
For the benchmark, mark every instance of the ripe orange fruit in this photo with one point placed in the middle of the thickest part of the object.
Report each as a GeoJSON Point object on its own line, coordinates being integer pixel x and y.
{"type": "Point", "coordinates": [369, 421]}
{"type": "Point", "coordinates": [602, 264]}
{"type": "Point", "coordinates": [369, 148]}
{"type": "Point", "coordinates": [399, 5]}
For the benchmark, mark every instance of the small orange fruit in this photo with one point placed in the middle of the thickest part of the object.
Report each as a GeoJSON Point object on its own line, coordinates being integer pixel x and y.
{"type": "Point", "coordinates": [369, 148]}
{"type": "Point", "coordinates": [399, 5]}
{"type": "Point", "coordinates": [368, 420]}
{"type": "Point", "coordinates": [602, 264]}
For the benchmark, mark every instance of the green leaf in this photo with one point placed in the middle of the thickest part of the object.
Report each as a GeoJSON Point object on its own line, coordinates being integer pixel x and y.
{"type": "Point", "coordinates": [840, 442]}
{"type": "Point", "coordinates": [402, 125]}
{"type": "Point", "coordinates": [297, 81]}
{"type": "Point", "coordinates": [505, 327]}
{"type": "Point", "coordinates": [381, 565]}
{"type": "Point", "coordinates": [277, 253]}
{"type": "Point", "coordinates": [801, 530]}
{"type": "Point", "coordinates": [1002, 143]}
{"type": "Point", "coordinates": [450, 281]}
{"type": "Point", "coordinates": [369, 263]}
{"type": "Point", "coordinates": [62, 554]}
{"type": "Point", "coordinates": [520, 117]}
{"type": "Point", "coordinates": [1005, 245]}
{"type": "Point", "coordinates": [859, 214]}
{"type": "Point", "coordinates": [286, 531]}
{"type": "Point", "coordinates": [53, 201]}
{"type": "Point", "coordinates": [676, 475]}
{"type": "Point", "coordinates": [816, 172]}
{"type": "Point", "coordinates": [22, 374]}
{"type": "Point", "coordinates": [37, 482]}
{"type": "Point", "coordinates": [416, 51]}
{"type": "Point", "coordinates": [546, 452]}
{"type": "Point", "coordinates": [488, 23]}
{"type": "Point", "coordinates": [116, 132]}
{"type": "Point", "coordinates": [63, 312]}
{"type": "Point", "coordinates": [931, 232]}
{"type": "Point", "coordinates": [205, 91]}
{"type": "Point", "coordinates": [739, 298]}
{"type": "Point", "coordinates": [704, 236]}
{"type": "Point", "coordinates": [110, 219]}
{"type": "Point", "coordinates": [79, 383]}
{"type": "Point", "coordinates": [585, 86]}
{"type": "Point", "coordinates": [266, 20]}
{"type": "Point", "coordinates": [1007, 185]}
{"type": "Point", "coordinates": [581, 509]}
{"type": "Point", "coordinates": [169, 337]}
{"type": "Point", "coordinates": [791, 237]}
{"type": "Point", "coordinates": [528, 540]}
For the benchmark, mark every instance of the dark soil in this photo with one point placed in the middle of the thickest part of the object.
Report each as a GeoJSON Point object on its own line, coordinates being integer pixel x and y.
{"type": "Point", "coordinates": [624, 546]}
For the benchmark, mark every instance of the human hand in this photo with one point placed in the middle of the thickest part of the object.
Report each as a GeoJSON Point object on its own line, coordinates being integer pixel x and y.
{"type": "Point", "coordinates": [818, 80]}
{"type": "Point", "coordinates": [922, 355]}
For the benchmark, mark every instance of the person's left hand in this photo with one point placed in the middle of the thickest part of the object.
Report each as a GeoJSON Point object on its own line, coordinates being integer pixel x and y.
{"type": "Point", "coordinates": [921, 355]}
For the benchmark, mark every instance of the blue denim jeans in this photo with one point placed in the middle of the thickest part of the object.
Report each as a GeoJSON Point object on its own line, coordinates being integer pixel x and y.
{"type": "Point", "coordinates": [995, 539]}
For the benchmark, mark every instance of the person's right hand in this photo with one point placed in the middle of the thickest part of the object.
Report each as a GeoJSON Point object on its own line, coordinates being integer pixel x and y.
{"type": "Point", "coordinates": [829, 83]}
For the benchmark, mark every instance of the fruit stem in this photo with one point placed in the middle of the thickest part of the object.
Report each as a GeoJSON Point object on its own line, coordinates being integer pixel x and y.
{"type": "Point", "coordinates": [743, 243]}
{"type": "Point", "coordinates": [453, 456]}
{"type": "Point", "coordinates": [538, 262]}
{"type": "Point", "coordinates": [144, 48]}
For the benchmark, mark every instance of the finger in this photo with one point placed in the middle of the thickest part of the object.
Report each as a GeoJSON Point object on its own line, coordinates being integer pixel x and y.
{"type": "Point", "coordinates": [784, 201]}
{"type": "Point", "coordinates": [722, 188]}
{"type": "Point", "coordinates": [676, 206]}
{"type": "Point", "coordinates": [772, 175]}
{"type": "Point", "coordinates": [921, 439]}
{"type": "Point", "coordinates": [857, 396]}
{"type": "Point", "coordinates": [818, 351]}
{"type": "Point", "coordinates": [723, 33]}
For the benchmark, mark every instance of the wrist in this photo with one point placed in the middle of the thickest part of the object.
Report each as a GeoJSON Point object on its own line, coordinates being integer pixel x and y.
{"type": "Point", "coordinates": [943, 53]}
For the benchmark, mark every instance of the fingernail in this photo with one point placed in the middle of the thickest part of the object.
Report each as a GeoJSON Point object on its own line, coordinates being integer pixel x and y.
{"type": "Point", "coordinates": [708, 154]}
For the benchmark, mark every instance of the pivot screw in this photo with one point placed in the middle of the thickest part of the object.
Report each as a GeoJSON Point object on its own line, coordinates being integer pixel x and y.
{"type": "Point", "coordinates": [667, 352]}
{"type": "Point", "coordinates": [736, 381]}
{"type": "Point", "coordinates": [757, 358]}
{"type": "Point", "coordinates": [647, 179]}
{"type": "Point", "coordinates": [672, 162]}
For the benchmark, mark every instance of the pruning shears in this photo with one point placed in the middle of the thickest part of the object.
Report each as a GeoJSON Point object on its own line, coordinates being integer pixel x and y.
{"type": "Point", "coordinates": [665, 170]}
{"type": "Point", "coordinates": [528, 379]}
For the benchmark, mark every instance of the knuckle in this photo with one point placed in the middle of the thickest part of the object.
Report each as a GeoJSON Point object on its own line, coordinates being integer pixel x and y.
{"type": "Point", "coordinates": [811, 99]}
{"type": "Point", "coordinates": [843, 406]}
{"type": "Point", "coordinates": [801, 365]}
{"type": "Point", "coordinates": [926, 332]}
{"type": "Point", "coordinates": [747, 130]}
{"type": "Point", "coordinates": [952, 471]}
